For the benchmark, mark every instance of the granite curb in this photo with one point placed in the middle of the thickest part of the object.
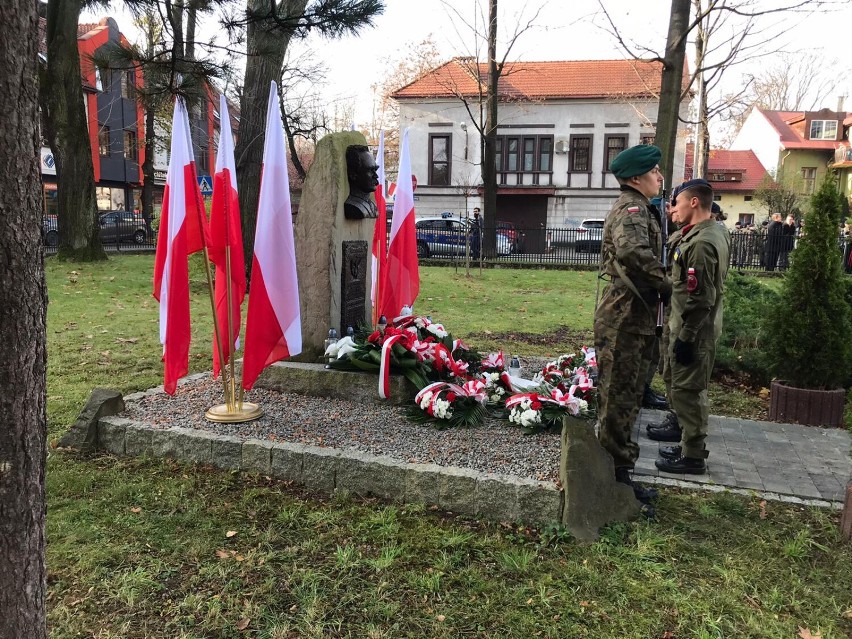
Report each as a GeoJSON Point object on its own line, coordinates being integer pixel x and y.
{"type": "Point", "coordinates": [330, 470]}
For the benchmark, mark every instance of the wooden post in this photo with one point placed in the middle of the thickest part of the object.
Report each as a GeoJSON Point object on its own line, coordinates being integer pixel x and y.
{"type": "Point", "coordinates": [846, 517]}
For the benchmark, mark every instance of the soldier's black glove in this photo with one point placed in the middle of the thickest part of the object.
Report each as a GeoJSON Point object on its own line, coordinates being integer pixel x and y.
{"type": "Point", "coordinates": [665, 297]}
{"type": "Point", "coordinates": [684, 352]}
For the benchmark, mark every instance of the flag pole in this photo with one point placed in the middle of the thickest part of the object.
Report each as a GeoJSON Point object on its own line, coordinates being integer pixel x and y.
{"type": "Point", "coordinates": [217, 336]}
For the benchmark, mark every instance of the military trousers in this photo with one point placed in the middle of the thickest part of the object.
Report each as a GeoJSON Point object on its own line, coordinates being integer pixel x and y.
{"type": "Point", "coordinates": [655, 365]}
{"type": "Point", "coordinates": [623, 360]}
{"type": "Point", "coordinates": [689, 396]}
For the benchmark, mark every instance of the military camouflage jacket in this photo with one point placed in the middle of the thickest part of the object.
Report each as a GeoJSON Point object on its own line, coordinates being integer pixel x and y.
{"type": "Point", "coordinates": [697, 301]}
{"type": "Point", "coordinates": [632, 238]}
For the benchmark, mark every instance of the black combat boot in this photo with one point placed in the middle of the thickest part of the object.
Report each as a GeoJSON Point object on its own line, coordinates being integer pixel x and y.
{"type": "Point", "coordinates": [667, 431]}
{"type": "Point", "coordinates": [682, 465]}
{"type": "Point", "coordinates": [669, 452]}
{"type": "Point", "coordinates": [651, 400]}
{"type": "Point", "coordinates": [645, 495]}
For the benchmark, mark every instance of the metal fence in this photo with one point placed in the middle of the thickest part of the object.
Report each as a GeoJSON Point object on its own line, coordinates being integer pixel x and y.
{"type": "Point", "coordinates": [751, 250]}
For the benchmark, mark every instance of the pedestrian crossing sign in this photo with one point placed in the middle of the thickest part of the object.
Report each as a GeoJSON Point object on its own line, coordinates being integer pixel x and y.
{"type": "Point", "coordinates": [205, 184]}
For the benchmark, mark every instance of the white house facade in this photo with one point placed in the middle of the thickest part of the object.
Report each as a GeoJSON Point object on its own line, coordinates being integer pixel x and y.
{"type": "Point", "coordinates": [557, 133]}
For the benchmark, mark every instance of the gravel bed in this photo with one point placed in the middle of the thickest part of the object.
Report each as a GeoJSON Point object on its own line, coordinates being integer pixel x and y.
{"type": "Point", "coordinates": [495, 447]}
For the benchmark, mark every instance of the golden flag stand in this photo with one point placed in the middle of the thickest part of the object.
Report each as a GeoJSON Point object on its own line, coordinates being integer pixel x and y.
{"type": "Point", "coordinates": [233, 411]}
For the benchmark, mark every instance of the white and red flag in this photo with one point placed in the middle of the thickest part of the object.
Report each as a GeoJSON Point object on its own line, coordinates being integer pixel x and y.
{"type": "Point", "coordinates": [273, 321]}
{"type": "Point", "coordinates": [380, 234]}
{"type": "Point", "coordinates": [402, 283]}
{"type": "Point", "coordinates": [226, 241]}
{"type": "Point", "coordinates": [183, 231]}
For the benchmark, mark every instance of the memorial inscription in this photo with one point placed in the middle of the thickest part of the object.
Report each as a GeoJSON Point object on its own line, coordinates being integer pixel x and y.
{"type": "Point", "coordinates": [353, 285]}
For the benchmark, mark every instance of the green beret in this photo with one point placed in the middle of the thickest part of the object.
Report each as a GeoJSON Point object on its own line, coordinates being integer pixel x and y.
{"type": "Point", "coordinates": [636, 160]}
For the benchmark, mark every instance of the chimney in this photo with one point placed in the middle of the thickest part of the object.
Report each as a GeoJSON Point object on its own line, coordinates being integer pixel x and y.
{"type": "Point", "coordinates": [840, 100]}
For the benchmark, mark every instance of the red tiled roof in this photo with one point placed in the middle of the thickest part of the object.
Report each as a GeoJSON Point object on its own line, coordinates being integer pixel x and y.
{"type": "Point", "coordinates": [745, 162]}
{"type": "Point", "coordinates": [542, 80]}
{"type": "Point", "coordinates": [790, 126]}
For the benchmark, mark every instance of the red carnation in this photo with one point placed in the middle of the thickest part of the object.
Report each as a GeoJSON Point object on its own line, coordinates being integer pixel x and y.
{"type": "Point", "coordinates": [375, 337]}
{"type": "Point", "coordinates": [451, 397]}
{"type": "Point", "coordinates": [535, 405]}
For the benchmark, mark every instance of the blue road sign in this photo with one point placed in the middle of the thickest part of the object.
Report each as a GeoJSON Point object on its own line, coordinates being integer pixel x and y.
{"type": "Point", "coordinates": [205, 183]}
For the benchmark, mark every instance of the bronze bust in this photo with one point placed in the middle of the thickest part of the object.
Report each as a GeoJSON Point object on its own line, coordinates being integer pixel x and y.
{"type": "Point", "coordinates": [361, 172]}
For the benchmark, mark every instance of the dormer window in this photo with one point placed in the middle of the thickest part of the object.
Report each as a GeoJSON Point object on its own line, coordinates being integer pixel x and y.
{"type": "Point", "coordinates": [823, 130]}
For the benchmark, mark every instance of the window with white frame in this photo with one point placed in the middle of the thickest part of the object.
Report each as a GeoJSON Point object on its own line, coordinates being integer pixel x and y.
{"type": "Point", "coordinates": [823, 130]}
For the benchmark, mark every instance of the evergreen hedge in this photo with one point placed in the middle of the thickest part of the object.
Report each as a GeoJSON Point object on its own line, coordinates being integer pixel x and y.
{"type": "Point", "coordinates": [809, 329]}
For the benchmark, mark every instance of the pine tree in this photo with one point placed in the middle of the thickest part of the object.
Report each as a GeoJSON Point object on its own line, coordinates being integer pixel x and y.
{"type": "Point", "coordinates": [808, 334]}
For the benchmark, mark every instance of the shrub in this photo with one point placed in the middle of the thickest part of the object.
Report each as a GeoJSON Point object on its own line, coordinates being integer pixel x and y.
{"type": "Point", "coordinates": [810, 325]}
{"type": "Point", "coordinates": [741, 346]}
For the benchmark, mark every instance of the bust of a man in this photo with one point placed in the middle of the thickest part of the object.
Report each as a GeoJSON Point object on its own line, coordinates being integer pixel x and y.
{"type": "Point", "coordinates": [361, 172]}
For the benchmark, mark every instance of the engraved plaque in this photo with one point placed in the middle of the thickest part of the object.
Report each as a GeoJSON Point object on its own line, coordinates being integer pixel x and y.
{"type": "Point", "coordinates": [353, 285]}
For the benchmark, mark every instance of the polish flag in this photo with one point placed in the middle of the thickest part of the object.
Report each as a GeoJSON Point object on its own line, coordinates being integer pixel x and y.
{"type": "Point", "coordinates": [225, 232]}
{"type": "Point", "coordinates": [380, 234]}
{"type": "Point", "coordinates": [403, 278]}
{"type": "Point", "coordinates": [273, 321]}
{"type": "Point", "coordinates": [183, 230]}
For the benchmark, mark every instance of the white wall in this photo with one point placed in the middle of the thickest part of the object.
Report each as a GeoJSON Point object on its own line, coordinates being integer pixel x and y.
{"type": "Point", "coordinates": [758, 135]}
{"type": "Point", "coordinates": [574, 202]}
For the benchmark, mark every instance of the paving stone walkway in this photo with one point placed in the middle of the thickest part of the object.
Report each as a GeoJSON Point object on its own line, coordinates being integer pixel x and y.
{"type": "Point", "coordinates": [787, 459]}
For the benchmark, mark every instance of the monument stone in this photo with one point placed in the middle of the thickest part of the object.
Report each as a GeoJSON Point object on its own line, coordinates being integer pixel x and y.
{"type": "Point", "coordinates": [333, 251]}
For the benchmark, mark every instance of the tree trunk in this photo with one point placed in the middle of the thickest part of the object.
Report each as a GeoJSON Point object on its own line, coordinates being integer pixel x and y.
{"type": "Point", "coordinates": [68, 136]}
{"type": "Point", "coordinates": [265, 51]}
{"type": "Point", "coordinates": [702, 132]}
{"type": "Point", "coordinates": [23, 300]}
{"type": "Point", "coordinates": [150, 148]}
{"type": "Point", "coordinates": [670, 89]}
{"type": "Point", "coordinates": [489, 156]}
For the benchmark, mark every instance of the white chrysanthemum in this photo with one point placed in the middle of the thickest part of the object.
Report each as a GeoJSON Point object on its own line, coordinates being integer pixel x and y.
{"type": "Point", "coordinates": [424, 401]}
{"type": "Point", "coordinates": [583, 405]}
{"type": "Point", "coordinates": [442, 409]}
{"type": "Point", "coordinates": [495, 377]}
{"type": "Point", "coordinates": [437, 330]}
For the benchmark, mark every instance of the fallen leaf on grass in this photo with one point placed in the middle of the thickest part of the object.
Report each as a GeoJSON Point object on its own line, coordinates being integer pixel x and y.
{"type": "Point", "coordinates": [243, 623]}
{"type": "Point", "coordinates": [668, 634]}
{"type": "Point", "coordinates": [230, 533]}
{"type": "Point", "coordinates": [222, 554]}
{"type": "Point", "coordinates": [441, 617]}
{"type": "Point", "coordinates": [136, 509]}
{"type": "Point", "coordinates": [239, 558]}
{"type": "Point", "coordinates": [806, 633]}
{"type": "Point", "coordinates": [762, 513]}
{"type": "Point", "coordinates": [127, 340]}
{"type": "Point", "coordinates": [763, 393]}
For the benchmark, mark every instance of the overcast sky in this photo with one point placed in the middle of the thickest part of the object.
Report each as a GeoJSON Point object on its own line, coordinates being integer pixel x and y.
{"type": "Point", "coordinates": [566, 30]}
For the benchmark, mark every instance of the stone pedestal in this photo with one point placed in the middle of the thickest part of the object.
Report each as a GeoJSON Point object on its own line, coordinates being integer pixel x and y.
{"type": "Point", "coordinates": [332, 253]}
{"type": "Point", "coordinates": [592, 496]}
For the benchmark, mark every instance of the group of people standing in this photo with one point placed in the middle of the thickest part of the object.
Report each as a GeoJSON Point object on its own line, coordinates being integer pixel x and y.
{"type": "Point", "coordinates": [771, 244]}
{"type": "Point", "coordinates": [689, 286]}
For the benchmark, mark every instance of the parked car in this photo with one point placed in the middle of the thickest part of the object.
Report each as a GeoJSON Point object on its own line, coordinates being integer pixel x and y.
{"type": "Point", "coordinates": [448, 236]}
{"type": "Point", "coordinates": [122, 226]}
{"type": "Point", "coordinates": [590, 236]}
{"type": "Point", "coordinates": [49, 231]}
{"type": "Point", "coordinates": [516, 237]}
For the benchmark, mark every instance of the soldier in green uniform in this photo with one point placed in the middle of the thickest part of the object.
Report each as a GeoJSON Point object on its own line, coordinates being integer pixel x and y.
{"type": "Point", "coordinates": [699, 266]}
{"type": "Point", "coordinates": [626, 317]}
{"type": "Point", "coordinates": [669, 429]}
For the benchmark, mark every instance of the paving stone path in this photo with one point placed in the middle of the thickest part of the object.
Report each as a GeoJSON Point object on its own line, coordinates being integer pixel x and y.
{"type": "Point", "coordinates": [787, 459]}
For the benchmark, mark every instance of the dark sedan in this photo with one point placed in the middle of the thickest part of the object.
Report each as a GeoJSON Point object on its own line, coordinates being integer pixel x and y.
{"type": "Point", "coordinates": [122, 226]}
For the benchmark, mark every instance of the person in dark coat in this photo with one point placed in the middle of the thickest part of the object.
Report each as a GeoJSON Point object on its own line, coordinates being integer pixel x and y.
{"type": "Point", "coordinates": [774, 241]}
{"type": "Point", "coordinates": [788, 241]}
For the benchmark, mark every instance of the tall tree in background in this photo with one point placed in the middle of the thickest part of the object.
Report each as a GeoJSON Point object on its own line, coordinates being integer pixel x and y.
{"type": "Point", "coordinates": [68, 135]}
{"type": "Point", "coordinates": [416, 60]}
{"type": "Point", "coordinates": [23, 301]}
{"type": "Point", "coordinates": [269, 28]}
{"type": "Point", "coordinates": [483, 107]}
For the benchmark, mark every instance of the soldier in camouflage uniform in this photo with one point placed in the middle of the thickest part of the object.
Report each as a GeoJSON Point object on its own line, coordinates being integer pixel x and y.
{"type": "Point", "coordinates": [699, 266]}
{"type": "Point", "coordinates": [625, 319]}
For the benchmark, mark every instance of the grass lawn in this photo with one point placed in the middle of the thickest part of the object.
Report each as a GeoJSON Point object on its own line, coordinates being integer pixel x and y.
{"type": "Point", "coordinates": [150, 548]}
